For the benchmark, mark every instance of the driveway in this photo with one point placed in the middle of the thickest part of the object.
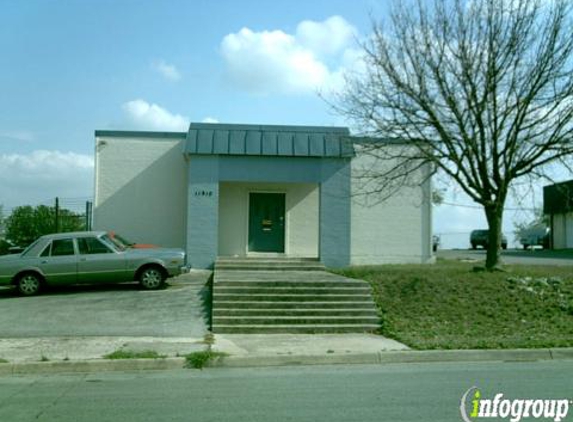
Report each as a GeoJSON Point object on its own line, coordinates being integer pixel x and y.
{"type": "Point", "coordinates": [514, 256]}
{"type": "Point", "coordinates": [110, 310]}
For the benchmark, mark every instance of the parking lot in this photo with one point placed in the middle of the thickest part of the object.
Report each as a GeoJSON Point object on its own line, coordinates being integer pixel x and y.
{"type": "Point", "coordinates": [179, 310]}
{"type": "Point", "coordinates": [513, 256]}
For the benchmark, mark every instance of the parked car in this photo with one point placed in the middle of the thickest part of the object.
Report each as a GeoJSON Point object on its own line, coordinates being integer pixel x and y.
{"type": "Point", "coordinates": [87, 257]}
{"type": "Point", "coordinates": [481, 238]}
{"type": "Point", "coordinates": [535, 235]}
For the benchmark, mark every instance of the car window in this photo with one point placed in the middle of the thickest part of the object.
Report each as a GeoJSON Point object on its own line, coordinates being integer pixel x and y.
{"type": "Point", "coordinates": [46, 251]}
{"type": "Point", "coordinates": [62, 247]}
{"type": "Point", "coordinates": [91, 245]}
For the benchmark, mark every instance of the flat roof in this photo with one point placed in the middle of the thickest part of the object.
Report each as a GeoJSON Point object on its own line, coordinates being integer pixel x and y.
{"type": "Point", "coordinates": [139, 134]}
{"type": "Point", "coordinates": [252, 139]}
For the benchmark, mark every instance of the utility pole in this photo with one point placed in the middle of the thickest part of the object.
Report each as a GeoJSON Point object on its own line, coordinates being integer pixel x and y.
{"type": "Point", "coordinates": [89, 206]}
{"type": "Point", "coordinates": [57, 215]}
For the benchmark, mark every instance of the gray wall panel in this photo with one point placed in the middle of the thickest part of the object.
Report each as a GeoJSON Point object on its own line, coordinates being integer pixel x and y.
{"type": "Point", "coordinates": [335, 213]}
{"type": "Point", "coordinates": [202, 211]}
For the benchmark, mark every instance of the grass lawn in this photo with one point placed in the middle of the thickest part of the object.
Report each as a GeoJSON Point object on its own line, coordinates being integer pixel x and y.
{"type": "Point", "coordinates": [448, 306]}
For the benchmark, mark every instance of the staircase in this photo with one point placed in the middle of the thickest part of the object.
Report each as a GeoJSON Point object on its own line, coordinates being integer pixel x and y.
{"type": "Point", "coordinates": [283, 295]}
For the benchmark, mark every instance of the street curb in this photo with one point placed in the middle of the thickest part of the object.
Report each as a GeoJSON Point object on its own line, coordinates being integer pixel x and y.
{"type": "Point", "coordinates": [380, 358]}
{"type": "Point", "coordinates": [292, 360]}
{"type": "Point", "coordinates": [95, 365]}
{"type": "Point", "coordinates": [409, 356]}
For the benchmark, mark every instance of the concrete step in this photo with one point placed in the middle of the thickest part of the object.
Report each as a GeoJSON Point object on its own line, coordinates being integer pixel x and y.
{"type": "Point", "coordinates": [252, 259]}
{"type": "Point", "coordinates": [291, 297]}
{"type": "Point", "coordinates": [295, 328]}
{"type": "Point", "coordinates": [268, 264]}
{"type": "Point", "coordinates": [269, 267]}
{"type": "Point", "coordinates": [283, 295]}
{"type": "Point", "coordinates": [272, 275]}
{"type": "Point", "coordinates": [298, 320]}
{"type": "Point", "coordinates": [272, 312]}
{"type": "Point", "coordinates": [261, 305]}
{"type": "Point", "coordinates": [293, 288]}
{"type": "Point", "coordinates": [288, 283]}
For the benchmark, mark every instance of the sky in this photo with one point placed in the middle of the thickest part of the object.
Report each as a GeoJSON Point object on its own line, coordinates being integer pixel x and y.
{"type": "Point", "coordinates": [70, 67]}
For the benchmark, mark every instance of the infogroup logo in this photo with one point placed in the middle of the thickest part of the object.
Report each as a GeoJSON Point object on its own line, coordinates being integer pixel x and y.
{"type": "Point", "coordinates": [474, 406]}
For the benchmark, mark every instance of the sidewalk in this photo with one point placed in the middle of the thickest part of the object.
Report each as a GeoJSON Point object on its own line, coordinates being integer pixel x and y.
{"type": "Point", "coordinates": [85, 354]}
{"type": "Point", "coordinates": [284, 349]}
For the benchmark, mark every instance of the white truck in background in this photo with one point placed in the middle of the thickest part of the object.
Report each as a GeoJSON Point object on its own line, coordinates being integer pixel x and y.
{"type": "Point", "coordinates": [535, 235]}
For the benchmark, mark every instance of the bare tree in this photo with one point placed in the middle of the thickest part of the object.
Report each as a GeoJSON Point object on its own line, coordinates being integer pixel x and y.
{"type": "Point", "coordinates": [480, 89]}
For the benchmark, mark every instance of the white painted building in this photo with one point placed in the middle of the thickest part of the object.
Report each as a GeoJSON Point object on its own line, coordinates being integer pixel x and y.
{"type": "Point", "coordinates": [244, 190]}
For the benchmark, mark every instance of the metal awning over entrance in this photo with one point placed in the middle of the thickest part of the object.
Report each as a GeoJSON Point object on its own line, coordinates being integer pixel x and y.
{"type": "Point", "coordinates": [268, 140]}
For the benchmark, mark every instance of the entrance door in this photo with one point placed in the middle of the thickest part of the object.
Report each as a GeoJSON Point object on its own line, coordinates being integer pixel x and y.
{"type": "Point", "coordinates": [266, 222]}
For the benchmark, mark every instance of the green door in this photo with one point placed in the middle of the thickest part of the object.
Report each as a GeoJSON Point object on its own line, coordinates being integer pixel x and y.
{"type": "Point", "coordinates": [266, 222]}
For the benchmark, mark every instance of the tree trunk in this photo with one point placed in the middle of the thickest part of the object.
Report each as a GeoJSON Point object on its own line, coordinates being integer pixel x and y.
{"type": "Point", "coordinates": [494, 216]}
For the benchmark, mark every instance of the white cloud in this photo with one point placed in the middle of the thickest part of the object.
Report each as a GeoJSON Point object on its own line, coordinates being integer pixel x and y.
{"type": "Point", "coordinates": [210, 120]}
{"type": "Point", "coordinates": [332, 36]}
{"type": "Point", "coordinates": [312, 58]}
{"type": "Point", "coordinates": [146, 116]}
{"type": "Point", "coordinates": [16, 136]}
{"type": "Point", "coordinates": [168, 71]}
{"type": "Point", "coordinates": [29, 179]}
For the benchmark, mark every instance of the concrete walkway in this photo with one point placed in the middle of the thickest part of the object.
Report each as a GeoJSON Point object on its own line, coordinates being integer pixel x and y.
{"type": "Point", "coordinates": [303, 344]}
{"type": "Point", "coordinates": [87, 348]}
{"type": "Point", "coordinates": [63, 355]}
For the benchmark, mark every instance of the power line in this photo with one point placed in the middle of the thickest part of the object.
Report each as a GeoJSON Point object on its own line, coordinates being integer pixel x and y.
{"type": "Point", "coordinates": [479, 207]}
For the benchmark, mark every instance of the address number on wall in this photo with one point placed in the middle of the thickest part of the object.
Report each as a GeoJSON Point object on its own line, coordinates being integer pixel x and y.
{"type": "Point", "coordinates": [203, 193]}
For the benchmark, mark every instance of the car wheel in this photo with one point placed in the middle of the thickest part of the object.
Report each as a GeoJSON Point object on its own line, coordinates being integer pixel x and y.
{"type": "Point", "coordinates": [151, 278]}
{"type": "Point", "coordinates": [29, 284]}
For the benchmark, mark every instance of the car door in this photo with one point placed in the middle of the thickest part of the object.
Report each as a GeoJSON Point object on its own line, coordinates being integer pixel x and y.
{"type": "Point", "coordinates": [58, 262]}
{"type": "Point", "coordinates": [98, 263]}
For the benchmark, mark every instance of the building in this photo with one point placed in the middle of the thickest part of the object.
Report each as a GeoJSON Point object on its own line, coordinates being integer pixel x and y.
{"type": "Point", "coordinates": [247, 190]}
{"type": "Point", "coordinates": [558, 206]}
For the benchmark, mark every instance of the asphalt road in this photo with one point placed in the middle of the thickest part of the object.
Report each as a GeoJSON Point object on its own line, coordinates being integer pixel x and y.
{"type": "Point", "coordinates": [412, 392]}
{"type": "Point", "coordinates": [108, 310]}
{"type": "Point", "coordinates": [513, 256]}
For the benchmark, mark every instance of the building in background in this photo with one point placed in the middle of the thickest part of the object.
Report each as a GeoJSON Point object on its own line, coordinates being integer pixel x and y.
{"type": "Point", "coordinates": [247, 190]}
{"type": "Point", "coordinates": [558, 206]}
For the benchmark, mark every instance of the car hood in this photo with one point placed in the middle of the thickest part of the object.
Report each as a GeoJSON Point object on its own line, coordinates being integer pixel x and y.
{"type": "Point", "coordinates": [7, 258]}
{"type": "Point", "coordinates": [154, 251]}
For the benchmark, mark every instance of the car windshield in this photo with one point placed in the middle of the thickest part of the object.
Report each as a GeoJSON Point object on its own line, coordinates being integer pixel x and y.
{"type": "Point", "coordinates": [113, 243]}
{"type": "Point", "coordinates": [123, 240]}
{"type": "Point", "coordinates": [30, 247]}
{"type": "Point", "coordinates": [120, 241]}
